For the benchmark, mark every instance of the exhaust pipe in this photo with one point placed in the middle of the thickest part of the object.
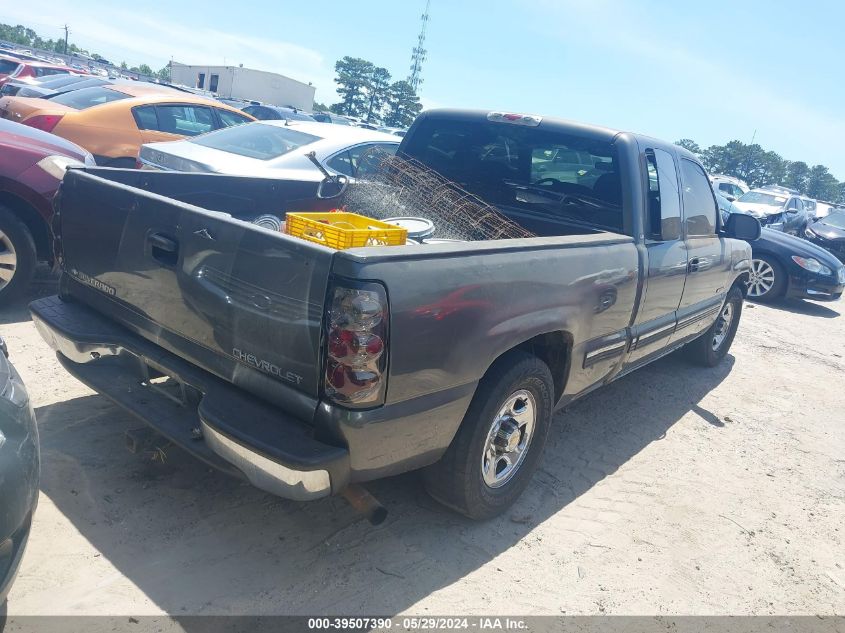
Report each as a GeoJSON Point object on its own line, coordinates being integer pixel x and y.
{"type": "Point", "coordinates": [365, 503]}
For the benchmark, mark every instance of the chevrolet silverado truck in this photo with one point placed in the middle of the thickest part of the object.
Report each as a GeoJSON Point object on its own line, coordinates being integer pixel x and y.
{"type": "Point", "coordinates": [306, 369]}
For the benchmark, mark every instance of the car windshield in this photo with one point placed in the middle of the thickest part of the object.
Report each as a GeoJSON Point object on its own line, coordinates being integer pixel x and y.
{"type": "Point", "coordinates": [836, 219]}
{"type": "Point", "coordinates": [88, 97]}
{"type": "Point", "coordinates": [256, 140]}
{"type": "Point", "coordinates": [758, 197]}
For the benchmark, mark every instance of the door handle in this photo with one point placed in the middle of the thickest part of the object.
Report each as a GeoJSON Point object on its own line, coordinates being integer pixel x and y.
{"type": "Point", "coordinates": [164, 249]}
{"type": "Point", "coordinates": [693, 265]}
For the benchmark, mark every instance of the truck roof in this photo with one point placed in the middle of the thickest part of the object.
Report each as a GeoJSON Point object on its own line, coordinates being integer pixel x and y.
{"type": "Point", "coordinates": [596, 132]}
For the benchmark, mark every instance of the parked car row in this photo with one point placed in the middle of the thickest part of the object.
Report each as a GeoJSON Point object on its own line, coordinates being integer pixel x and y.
{"type": "Point", "coordinates": [786, 266]}
{"type": "Point", "coordinates": [85, 120]}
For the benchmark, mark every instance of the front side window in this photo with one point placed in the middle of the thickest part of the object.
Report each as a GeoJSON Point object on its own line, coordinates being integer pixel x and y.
{"type": "Point", "coordinates": [699, 203]}
{"type": "Point", "coordinates": [664, 202]}
{"type": "Point", "coordinates": [185, 120]}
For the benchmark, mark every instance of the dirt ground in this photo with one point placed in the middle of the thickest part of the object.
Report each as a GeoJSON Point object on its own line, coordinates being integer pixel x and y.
{"type": "Point", "coordinates": [675, 490]}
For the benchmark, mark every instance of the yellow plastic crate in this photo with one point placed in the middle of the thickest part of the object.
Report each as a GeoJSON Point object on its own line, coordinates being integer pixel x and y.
{"type": "Point", "coordinates": [343, 230]}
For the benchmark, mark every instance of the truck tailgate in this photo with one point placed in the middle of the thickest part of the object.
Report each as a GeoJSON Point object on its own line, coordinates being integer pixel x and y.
{"type": "Point", "coordinates": [242, 302]}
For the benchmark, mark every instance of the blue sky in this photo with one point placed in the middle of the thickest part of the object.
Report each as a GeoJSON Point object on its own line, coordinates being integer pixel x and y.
{"type": "Point", "coordinates": [711, 71]}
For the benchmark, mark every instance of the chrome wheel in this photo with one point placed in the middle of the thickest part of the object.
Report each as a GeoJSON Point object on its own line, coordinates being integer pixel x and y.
{"type": "Point", "coordinates": [723, 325]}
{"type": "Point", "coordinates": [508, 439]}
{"type": "Point", "coordinates": [762, 278]}
{"type": "Point", "coordinates": [8, 260]}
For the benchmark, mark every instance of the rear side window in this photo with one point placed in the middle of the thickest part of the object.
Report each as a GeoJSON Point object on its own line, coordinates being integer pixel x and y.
{"type": "Point", "coordinates": [7, 66]}
{"type": "Point", "coordinates": [256, 140]}
{"type": "Point", "coordinates": [360, 160]}
{"type": "Point", "coordinates": [145, 117]}
{"type": "Point", "coordinates": [699, 203]}
{"type": "Point", "coordinates": [88, 97]}
{"type": "Point", "coordinates": [664, 202]}
{"type": "Point", "coordinates": [184, 120]}
{"type": "Point", "coordinates": [553, 176]}
{"type": "Point", "coordinates": [229, 118]}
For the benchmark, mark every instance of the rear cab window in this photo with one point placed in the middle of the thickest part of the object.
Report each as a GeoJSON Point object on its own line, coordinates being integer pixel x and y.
{"type": "Point", "coordinates": [256, 140]}
{"type": "Point", "coordinates": [88, 97]}
{"type": "Point", "coordinates": [538, 176]}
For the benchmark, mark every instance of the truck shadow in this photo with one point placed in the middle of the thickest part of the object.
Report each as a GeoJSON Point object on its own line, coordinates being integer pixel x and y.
{"type": "Point", "coordinates": [195, 541]}
{"type": "Point", "coordinates": [44, 284]}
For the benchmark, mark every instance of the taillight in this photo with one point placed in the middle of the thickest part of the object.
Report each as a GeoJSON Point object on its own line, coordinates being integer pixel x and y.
{"type": "Point", "coordinates": [44, 122]}
{"type": "Point", "coordinates": [356, 344]}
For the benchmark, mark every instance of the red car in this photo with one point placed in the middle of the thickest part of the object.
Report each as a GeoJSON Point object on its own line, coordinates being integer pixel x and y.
{"type": "Point", "coordinates": [13, 68]}
{"type": "Point", "coordinates": [32, 164]}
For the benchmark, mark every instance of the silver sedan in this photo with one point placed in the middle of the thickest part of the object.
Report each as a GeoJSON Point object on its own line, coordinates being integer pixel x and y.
{"type": "Point", "coordinates": [271, 149]}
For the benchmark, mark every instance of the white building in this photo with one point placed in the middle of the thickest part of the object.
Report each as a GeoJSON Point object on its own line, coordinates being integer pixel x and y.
{"type": "Point", "coordinates": [235, 82]}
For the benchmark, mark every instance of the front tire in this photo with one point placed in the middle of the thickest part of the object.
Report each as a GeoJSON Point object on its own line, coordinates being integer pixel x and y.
{"type": "Point", "coordinates": [710, 348]}
{"type": "Point", "coordinates": [768, 279]}
{"type": "Point", "coordinates": [500, 441]}
{"type": "Point", "coordinates": [17, 255]}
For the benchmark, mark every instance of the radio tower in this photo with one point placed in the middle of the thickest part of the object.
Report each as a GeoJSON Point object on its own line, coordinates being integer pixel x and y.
{"type": "Point", "coordinates": [419, 54]}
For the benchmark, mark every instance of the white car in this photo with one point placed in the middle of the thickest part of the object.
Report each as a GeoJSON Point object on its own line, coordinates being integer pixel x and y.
{"type": "Point", "coordinates": [271, 149]}
{"type": "Point", "coordinates": [728, 186]}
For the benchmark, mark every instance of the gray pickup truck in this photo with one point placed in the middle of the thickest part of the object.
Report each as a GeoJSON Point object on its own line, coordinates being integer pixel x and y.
{"type": "Point", "coordinates": [306, 369]}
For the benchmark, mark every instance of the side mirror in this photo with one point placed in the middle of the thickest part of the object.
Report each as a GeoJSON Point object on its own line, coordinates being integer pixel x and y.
{"type": "Point", "coordinates": [743, 227]}
{"type": "Point", "coordinates": [332, 186]}
{"type": "Point", "coordinates": [730, 198]}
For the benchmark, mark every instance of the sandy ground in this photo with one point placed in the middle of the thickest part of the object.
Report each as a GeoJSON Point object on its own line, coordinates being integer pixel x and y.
{"type": "Point", "coordinates": [675, 490]}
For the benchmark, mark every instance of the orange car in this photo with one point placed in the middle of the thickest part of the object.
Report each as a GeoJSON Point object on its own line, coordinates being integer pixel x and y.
{"type": "Point", "coordinates": [112, 122]}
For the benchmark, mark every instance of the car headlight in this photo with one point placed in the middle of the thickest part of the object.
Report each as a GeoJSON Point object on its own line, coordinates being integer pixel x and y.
{"type": "Point", "coordinates": [808, 232]}
{"type": "Point", "coordinates": [56, 166]}
{"type": "Point", "coordinates": [842, 275]}
{"type": "Point", "coordinates": [813, 265]}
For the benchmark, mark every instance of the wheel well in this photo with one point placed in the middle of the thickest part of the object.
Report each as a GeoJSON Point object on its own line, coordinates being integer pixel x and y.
{"type": "Point", "coordinates": [33, 221]}
{"type": "Point", "coordinates": [741, 282]}
{"type": "Point", "coordinates": [554, 349]}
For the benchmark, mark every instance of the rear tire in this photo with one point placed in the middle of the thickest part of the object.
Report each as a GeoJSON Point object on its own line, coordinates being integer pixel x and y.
{"type": "Point", "coordinates": [484, 470]}
{"type": "Point", "coordinates": [710, 348]}
{"type": "Point", "coordinates": [17, 255]}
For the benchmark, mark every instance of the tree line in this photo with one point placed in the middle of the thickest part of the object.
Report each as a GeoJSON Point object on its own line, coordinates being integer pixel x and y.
{"type": "Point", "coordinates": [366, 92]}
{"type": "Point", "coordinates": [24, 36]}
{"type": "Point", "coordinates": [759, 167]}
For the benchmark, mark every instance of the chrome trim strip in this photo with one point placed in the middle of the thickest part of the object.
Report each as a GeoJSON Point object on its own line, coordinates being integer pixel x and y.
{"type": "Point", "coordinates": [698, 316]}
{"type": "Point", "coordinates": [264, 473]}
{"type": "Point", "coordinates": [652, 335]}
{"type": "Point", "coordinates": [607, 348]}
